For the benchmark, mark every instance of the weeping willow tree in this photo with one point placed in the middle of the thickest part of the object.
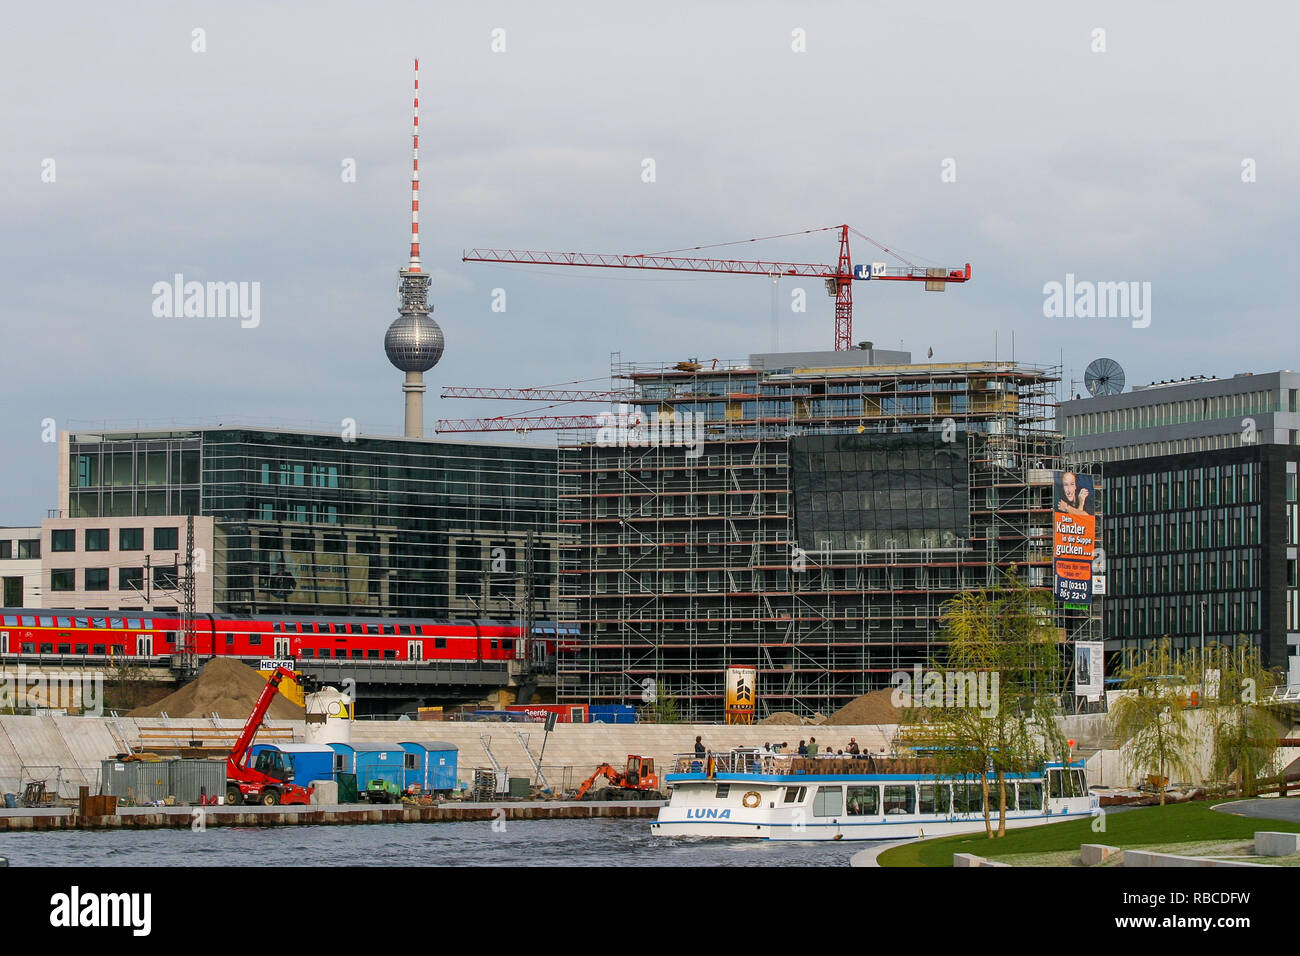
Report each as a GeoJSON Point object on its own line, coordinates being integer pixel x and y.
{"type": "Point", "coordinates": [1152, 715]}
{"type": "Point", "coordinates": [1002, 642]}
{"type": "Point", "coordinates": [1245, 733]}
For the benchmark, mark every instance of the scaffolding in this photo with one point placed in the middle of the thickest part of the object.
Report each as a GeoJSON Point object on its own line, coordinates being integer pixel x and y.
{"type": "Point", "coordinates": [677, 564]}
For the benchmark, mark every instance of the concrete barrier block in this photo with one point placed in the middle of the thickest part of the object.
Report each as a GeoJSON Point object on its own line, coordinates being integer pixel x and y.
{"type": "Point", "coordinates": [1147, 858]}
{"type": "Point", "coordinates": [966, 859]}
{"type": "Point", "coordinates": [992, 863]}
{"type": "Point", "coordinates": [326, 792]}
{"type": "Point", "coordinates": [1093, 853]}
{"type": "Point", "coordinates": [1269, 843]}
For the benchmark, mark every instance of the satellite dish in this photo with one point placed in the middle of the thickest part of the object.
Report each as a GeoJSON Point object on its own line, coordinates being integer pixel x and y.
{"type": "Point", "coordinates": [1103, 377]}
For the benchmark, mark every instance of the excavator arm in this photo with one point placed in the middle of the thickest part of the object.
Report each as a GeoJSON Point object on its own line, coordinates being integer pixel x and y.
{"type": "Point", "coordinates": [604, 770]}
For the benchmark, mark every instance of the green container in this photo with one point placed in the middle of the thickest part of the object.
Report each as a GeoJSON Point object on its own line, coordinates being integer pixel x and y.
{"type": "Point", "coordinates": [519, 787]}
{"type": "Point", "coordinates": [347, 787]}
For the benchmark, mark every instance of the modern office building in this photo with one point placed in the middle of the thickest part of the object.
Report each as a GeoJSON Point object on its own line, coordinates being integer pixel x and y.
{"type": "Point", "coordinates": [20, 567]}
{"type": "Point", "coordinates": [315, 523]}
{"type": "Point", "coordinates": [807, 514]}
{"type": "Point", "coordinates": [133, 563]}
{"type": "Point", "coordinates": [1202, 516]}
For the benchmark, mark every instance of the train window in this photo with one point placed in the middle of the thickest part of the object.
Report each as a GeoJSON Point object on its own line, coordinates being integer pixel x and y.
{"type": "Point", "coordinates": [46, 621]}
{"type": "Point", "coordinates": [11, 620]}
{"type": "Point", "coordinates": [103, 622]}
{"type": "Point", "coordinates": [47, 648]}
{"type": "Point", "coordinates": [29, 620]}
{"type": "Point", "coordinates": [439, 642]}
{"type": "Point", "coordinates": [390, 655]}
{"type": "Point", "coordinates": [494, 645]}
{"type": "Point", "coordinates": [114, 622]}
{"type": "Point", "coordinates": [230, 640]}
{"type": "Point", "coordinates": [99, 649]}
{"type": "Point", "coordinates": [355, 652]}
{"type": "Point", "coordinates": [132, 622]}
{"type": "Point", "coordinates": [372, 628]}
{"type": "Point", "coordinates": [372, 653]}
{"type": "Point", "coordinates": [65, 648]}
{"type": "Point", "coordinates": [83, 648]}
{"type": "Point", "coordinates": [148, 623]}
{"type": "Point", "coordinates": [255, 640]}
{"type": "Point", "coordinates": [170, 637]}
{"type": "Point", "coordinates": [29, 648]}
{"type": "Point", "coordinates": [64, 621]}
{"type": "Point", "coordinates": [275, 626]}
{"type": "Point", "coordinates": [507, 645]}
{"type": "Point", "coordinates": [388, 629]}
{"type": "Point", "coordinates": [81, 621]}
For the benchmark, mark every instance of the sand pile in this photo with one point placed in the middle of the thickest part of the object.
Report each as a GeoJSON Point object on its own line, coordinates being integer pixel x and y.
{"type": "Point", "coordinates": [782, 718]}
{"type": "Point", "coordinates": [224, 686]}
{"type": "Point", "coordinates": [873, 708]}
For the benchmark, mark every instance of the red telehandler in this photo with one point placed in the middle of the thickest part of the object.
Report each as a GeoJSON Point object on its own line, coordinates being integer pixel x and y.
{"type": "Point", "coordinates": [268, 782]}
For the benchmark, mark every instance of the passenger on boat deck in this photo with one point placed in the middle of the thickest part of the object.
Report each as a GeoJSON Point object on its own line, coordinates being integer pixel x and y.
{"type": "Point", "coordinates": [699, 747]}
{"type": "Point", "coordinates": [853, 746]}
{"type": "Point", "coordinates": [803, 748]}
{"type": "Point", "coordinates": [812, 746]}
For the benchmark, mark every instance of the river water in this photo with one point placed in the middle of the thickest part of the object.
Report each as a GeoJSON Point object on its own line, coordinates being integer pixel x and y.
{"type": "Point", "coordinates": [521, 843]}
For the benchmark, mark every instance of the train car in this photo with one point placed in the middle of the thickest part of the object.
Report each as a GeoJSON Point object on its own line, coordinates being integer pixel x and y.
{"type": "Point", "coordinates": [26, 632]}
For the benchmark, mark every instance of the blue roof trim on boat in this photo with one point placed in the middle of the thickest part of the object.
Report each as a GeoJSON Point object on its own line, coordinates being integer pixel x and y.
{"type": "Point", "coordinates": [836, 778]}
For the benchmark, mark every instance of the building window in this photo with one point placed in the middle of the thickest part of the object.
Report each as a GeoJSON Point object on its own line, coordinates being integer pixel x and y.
{"type": "Point", "coordinates": [64, 539]}
{"type": "Point", "coordinates": [29, 548]}
{"type": "Point", "coordinates": [96, 579]}
{"type": "Point", "coordinates": [164, 539]}
{"type": "Point", "coordinates": [130, 579]}
{"type": "Point", "coordinates": [130, 539]}
{"type": "Point", "coordinates": [6, 549]}
{"type": "Point", "coordinates": [97, 539]}
{"type": "Point", "coordinates": [63, 579]}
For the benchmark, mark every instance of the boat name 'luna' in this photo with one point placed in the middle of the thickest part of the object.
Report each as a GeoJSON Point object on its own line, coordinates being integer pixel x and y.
{"type": "Point", "coordinates": [706, 813]}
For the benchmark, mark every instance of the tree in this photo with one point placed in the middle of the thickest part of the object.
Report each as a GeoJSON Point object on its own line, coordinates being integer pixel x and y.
{"type": "Point", "coordinates": [1152, 715]}
{"type": "Point", "coordinates": [1000, 640]}
{"type": "Point", "coordinates": [1245, 733]}
{"type": "Point", "coordinates": [662, 710]}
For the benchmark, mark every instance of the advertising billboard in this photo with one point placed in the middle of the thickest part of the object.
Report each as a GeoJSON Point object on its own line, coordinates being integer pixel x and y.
{"type": "Point", "coordinates": [1089, 676]}
{"type": "Point", "coordinates": [1074, 534]}
{"type": "Point", "coordinates": [742, 693]}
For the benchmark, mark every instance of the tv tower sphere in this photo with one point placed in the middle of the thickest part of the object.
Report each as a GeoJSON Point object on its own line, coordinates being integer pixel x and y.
{"type": "Point", "coordinates": [414, 342]}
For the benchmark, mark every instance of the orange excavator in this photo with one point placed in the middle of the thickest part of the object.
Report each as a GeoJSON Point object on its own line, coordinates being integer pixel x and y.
{"type": "Point", "coordinates": [636, 782]}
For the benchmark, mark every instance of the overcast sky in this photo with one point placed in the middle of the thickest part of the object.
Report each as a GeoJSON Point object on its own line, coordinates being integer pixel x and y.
{"type": "Point", "coordinates": [1115, 164]}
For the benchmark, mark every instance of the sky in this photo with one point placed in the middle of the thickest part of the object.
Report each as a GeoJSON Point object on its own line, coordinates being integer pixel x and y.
{"type": "Point", "coordinates": [1149, 143]}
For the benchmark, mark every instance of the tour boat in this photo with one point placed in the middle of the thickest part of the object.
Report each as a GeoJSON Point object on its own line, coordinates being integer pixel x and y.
{"type": "Point", "coordinates": [747, 793]}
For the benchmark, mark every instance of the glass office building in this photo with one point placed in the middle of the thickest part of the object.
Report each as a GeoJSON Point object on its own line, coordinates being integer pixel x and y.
{"type": "Point", "coordinates": [312, 523]}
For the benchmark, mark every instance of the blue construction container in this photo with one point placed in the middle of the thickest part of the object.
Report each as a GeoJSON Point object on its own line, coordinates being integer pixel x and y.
{"type": "Point", "coordinates": [310, 761]}
{"type": "Point", "coordinates": [371, 762]}
{"type": "Point", "coordinates": [430, 765]}
{"type": "Point", "coordinates": [611, 714]}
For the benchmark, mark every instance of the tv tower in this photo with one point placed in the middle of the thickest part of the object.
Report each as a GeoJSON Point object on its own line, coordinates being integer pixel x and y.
{"type": "Point", "coordinates": [414, 341]}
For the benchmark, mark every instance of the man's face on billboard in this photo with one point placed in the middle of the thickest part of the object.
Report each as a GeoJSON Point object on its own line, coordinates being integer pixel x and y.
{"type": "Point", "coordinates": [1068, 485]}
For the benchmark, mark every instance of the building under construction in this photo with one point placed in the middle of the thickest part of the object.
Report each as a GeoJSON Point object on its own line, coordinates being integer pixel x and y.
{"type": "Point", "coordinates": [805, 513]}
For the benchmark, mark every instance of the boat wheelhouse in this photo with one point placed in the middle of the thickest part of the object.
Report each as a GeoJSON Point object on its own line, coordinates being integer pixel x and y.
{"type": "Point", "coordinates": [746, 793]}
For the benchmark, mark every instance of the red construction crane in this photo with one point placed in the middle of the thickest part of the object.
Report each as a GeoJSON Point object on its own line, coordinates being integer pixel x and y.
{"type": "Point", "coordinates": [839, 277]}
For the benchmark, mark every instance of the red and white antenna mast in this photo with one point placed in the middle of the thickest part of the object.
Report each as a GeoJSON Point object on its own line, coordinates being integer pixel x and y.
{"type": "Point", "coordinates": [415, 177]}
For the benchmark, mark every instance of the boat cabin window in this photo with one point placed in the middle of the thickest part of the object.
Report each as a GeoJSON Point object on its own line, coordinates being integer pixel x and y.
{"type": "Point", "coordinates": [864, 801]}
{"type": "Point", "coordinates": [900, 799]}
{"type": "Point", "coordinates": [795, 794]}
{"type": "Point", "coordinates": [829, 802]}
{"type": "Point", "coordinates": [723, 790]}
{"type": "Point", "coordinates": [967, 798]}
{"type": "Point", "coordinates": [1067, 783]}
{"type": "Point", "coordinates": [1031, 795]}
{"type": "Point", "coordinates": [934, 798]}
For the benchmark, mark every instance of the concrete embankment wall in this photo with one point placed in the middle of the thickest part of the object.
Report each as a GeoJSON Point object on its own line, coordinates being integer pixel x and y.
{"type": "Point", "coordinates": [66, 751]}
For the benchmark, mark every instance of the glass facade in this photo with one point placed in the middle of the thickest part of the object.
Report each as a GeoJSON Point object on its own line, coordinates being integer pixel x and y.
{"type": "Point", "coordinates": [313, 524]}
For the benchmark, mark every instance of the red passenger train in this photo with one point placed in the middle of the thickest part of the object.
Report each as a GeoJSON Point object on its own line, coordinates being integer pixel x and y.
{"type": "Point", "coordinates": [31, 632]}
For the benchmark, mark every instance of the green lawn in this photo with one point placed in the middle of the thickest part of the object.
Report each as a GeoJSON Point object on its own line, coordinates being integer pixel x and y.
{"type": "Point", "coordinates": [1141, 826]}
